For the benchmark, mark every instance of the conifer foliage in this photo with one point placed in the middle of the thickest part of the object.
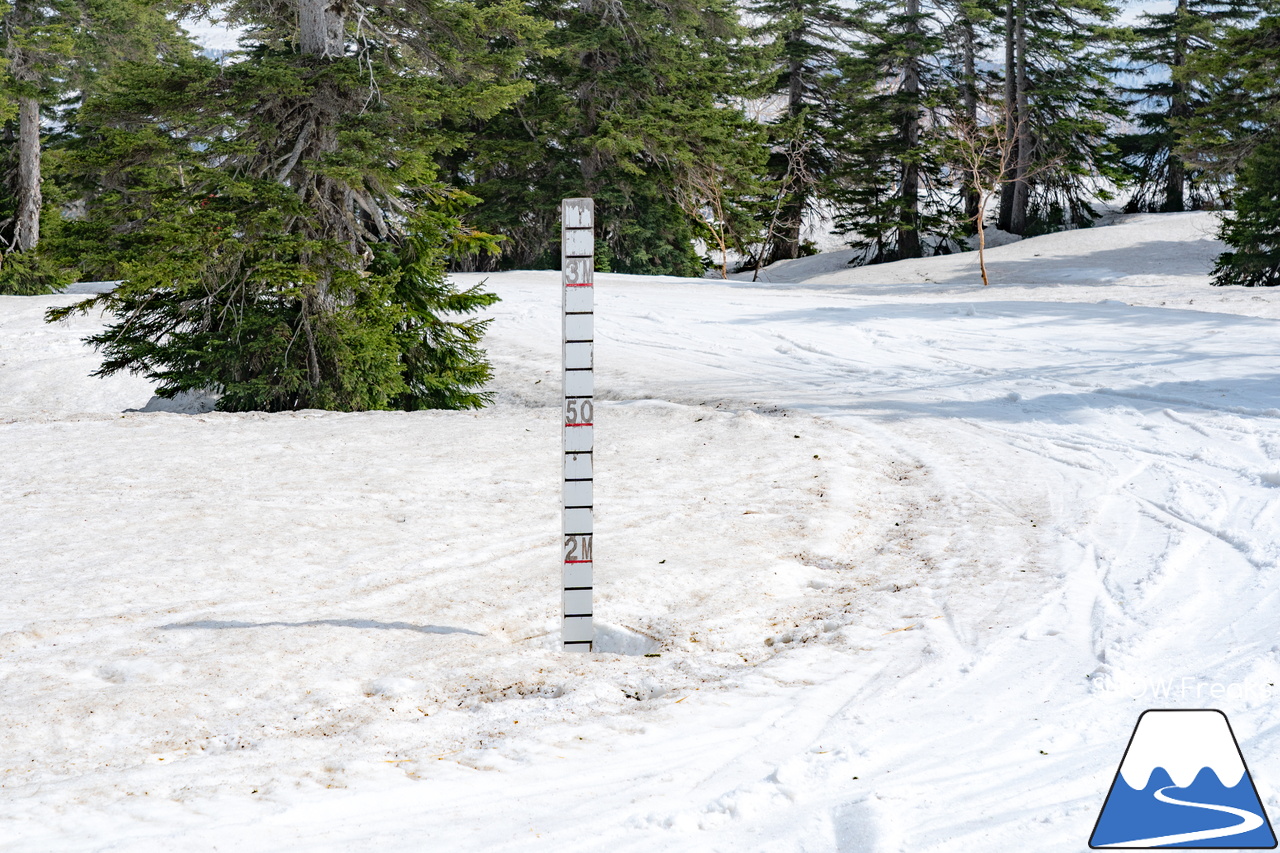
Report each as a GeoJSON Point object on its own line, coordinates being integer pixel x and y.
{"type": "Point", "coordinates": [633, 105]}
{"type": "Point", "coordinates": [888, 190]}
{"type": "Point", "coordinates": [1253, 230]}
{"type": "Point", "coordinates": [1164, 44]}
{"type": "Point", "coordinates": [282, 220]}
{"type": "Point", "coordinates": [803, 88]}
{"type": "Point", "coordinates": [55, 53]}
{"type": "Point", "coordinates": [277, 220]}
{"type": "Point", "coordinates": [1060, 105]}
{"type": "Point", "coordinates": [1236, 132]}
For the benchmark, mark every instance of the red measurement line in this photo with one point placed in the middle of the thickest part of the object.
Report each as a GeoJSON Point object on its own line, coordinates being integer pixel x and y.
{"type": "Point", "coordinates": [578, 424]}
{"type": "Point", "coordinates": [587, 284]}
{"type": "Point", "coordinates": [577, 561]}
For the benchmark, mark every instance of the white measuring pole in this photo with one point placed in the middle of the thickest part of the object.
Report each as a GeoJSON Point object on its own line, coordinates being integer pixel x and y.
{"type": "Point", "coordinates": [577, 260]}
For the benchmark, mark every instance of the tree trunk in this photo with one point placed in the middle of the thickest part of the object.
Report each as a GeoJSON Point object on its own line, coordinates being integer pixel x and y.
{"type": "Point", "coordinates": [969, 93]}
{"type": "Point", "coordinates": [1010, 115]}
{"type": "Point", "coordinates": [787, 242]}
{"type": "Point", "coordinates": [322, 34]}
{"type": "Point", "coordinates": [795, 77]}
{"type": "Point", "coordinates": [322, 28]}
{"type": "Point", "coordinates": [27, 196]}
{"type": "Point", "coordinates": [1179, 108]}
{"type": "Point", "coordinates": [909, 232]}
{"type": "Point", "coordinates": [591, 163]}
{"type": "Point", "coordinates": [1022, 186]}
{"type": "Point", "coordinates": [26, 232]}
{"type": "Point", "coordinates": [982, 243]}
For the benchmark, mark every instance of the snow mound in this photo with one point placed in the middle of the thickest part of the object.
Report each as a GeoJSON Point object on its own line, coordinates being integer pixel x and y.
{"type": "Point", "coordinates": [183, 403]}
{"type": "Point", "coordinates": [1133, 249]}
{"type": "Point", "coordinates": [616, 640]}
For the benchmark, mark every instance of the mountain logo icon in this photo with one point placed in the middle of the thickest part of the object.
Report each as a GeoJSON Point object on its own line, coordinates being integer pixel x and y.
{"type": "Point", "coordinates": [1183, 783]}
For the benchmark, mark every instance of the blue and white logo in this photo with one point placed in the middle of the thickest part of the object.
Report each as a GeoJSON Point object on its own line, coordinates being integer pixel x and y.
{"type": "Point", "coordinates": [1183, 783]}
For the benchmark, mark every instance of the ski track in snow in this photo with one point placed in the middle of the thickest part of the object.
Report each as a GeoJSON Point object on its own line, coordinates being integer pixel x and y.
{"type": "Point", "coordinates": [922, 626]}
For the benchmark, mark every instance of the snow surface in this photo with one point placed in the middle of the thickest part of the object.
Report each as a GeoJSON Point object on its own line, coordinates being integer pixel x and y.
{"type": "Point", "coordinates": [913, 555]}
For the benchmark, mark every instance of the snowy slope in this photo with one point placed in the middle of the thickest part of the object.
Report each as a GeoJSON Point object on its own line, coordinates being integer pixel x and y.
{"type": "Point", "coordinates": [1135, 260]}
{"type": "Point", "coordinates": [914, 555]}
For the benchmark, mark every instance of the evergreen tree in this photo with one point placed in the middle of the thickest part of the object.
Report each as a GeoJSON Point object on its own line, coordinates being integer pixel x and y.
{"type": "Point", "coordinates": [1253, 230]}
{"type": "Point", "coordinates": [890, 189]}
{"type": "Point", "coordinates": [277, 220]}
{"type": "Point", "coordinates": [37, 41]}
{"type": "Point", "coordinates": [56, 52]}
{"type": "Point", "coordinates": [1163, 44]}
{"type": "Point", "coordinates": [1060, 103]}
{"type": "Point", "coordinates": [812, 36]}
{"type": "Point", "coordinates": [1240, 103]}
{"type": "Point", "coordinates": [1235, 133]}
{"type": "Point", "coordinates": [632, 104]}
{"type": "Point", "coordinates": [969, 39]}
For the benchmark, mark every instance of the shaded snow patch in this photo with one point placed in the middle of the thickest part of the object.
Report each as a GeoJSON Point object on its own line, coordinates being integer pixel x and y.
{"type": "Point", "coordinates": [182, 403]}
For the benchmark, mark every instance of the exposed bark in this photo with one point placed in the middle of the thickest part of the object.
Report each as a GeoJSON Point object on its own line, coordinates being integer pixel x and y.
{"type": "Point", "coordinates": [321, 34]}
{"type": "Point", "coordinates": [909, 232]}
{"type": "Point", "coordinates": [322, 27]}
{"type": "Point", "coordinates": [1010, 111]}
{"type": "Point", "coordinates": [969, 95]}
{"type": "Point", "coordinates": [1179, 108]}
{"type": "Point", "coordinates": [982, 242]}
{"type": "Point", "coordinates": [1022, 183]}
{"type": "Point", "coordinates": [592, 161]}
{"type": "Point", "coordinates": [975, 145]}
{"type": "Point", "coordinates": [795, 78]}
{"type": "Point", "coordinates": [786, 242]}
{"type": "Point", "coordinates": [26, 233]}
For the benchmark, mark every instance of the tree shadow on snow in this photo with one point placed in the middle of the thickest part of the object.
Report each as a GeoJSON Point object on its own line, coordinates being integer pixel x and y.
{"type": "Point", "coordinates": [1251, 397]}
{"type": "Point", "coordinates": [336, 623]}
{"type": "Point", "coordinates": [1027, 315]}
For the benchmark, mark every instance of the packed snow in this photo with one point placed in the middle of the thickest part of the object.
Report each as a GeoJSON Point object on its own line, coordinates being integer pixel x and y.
{"type": "Point", "coordinates": [885, 561]}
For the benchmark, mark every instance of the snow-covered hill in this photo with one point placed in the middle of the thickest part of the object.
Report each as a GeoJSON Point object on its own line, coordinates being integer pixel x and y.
{"type": "Point", "coordinates": [1126, 258]}
{"type": "Point", "coordinates": [885, 561]}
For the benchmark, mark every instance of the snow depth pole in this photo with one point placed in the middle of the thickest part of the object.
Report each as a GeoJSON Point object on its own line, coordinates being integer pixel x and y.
{"type": "Point", "coordinates": [577, 262]}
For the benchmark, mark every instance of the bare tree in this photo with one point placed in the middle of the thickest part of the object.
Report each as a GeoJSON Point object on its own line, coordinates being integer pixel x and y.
{"type": "Point", "coordinates": [983, 146]}
{"type": "Point", "coordinates": [796, 175]}
{"type": "Point", "coordinates": [702, 199]}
